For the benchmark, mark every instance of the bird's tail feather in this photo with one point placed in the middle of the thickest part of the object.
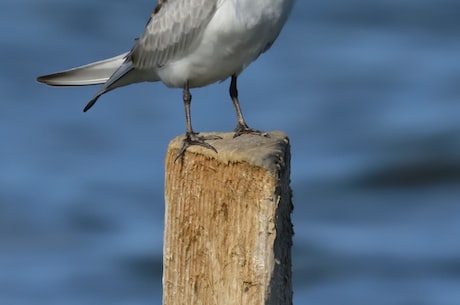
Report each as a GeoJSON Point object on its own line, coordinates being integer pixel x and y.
{"type": "Point", "coordinates": [112, 73]}
{"type": "Point", "coordinates": [91, 74]}
{"type": "Point", "coordinates": [119, 78]}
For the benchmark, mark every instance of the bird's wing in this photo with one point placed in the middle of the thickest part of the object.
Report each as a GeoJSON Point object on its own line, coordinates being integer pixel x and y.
{"type": "Point", "coordinates": [171, 31]}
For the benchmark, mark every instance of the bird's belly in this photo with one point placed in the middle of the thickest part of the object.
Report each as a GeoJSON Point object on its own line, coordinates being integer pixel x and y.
{"type": "Point", "coordinates": [202, 68]}
{"type": "Point", "coordinates": [214, 59]}
{"type": "Point", "coordinates": [228, 45]}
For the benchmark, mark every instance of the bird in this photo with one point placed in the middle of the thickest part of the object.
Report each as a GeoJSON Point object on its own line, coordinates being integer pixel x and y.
{"type": "Point", "coordinates": [189, 44]}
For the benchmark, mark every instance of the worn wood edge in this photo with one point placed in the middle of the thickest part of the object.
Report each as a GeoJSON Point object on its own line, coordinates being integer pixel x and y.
{"type": "Point", "coordinates": [266, 151]}
{"type": "Point", "coordinates": [270, 153]}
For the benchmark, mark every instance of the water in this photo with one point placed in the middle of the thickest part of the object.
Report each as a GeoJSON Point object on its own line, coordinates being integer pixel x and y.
{"type": "Point", "coordinates": [367, 91]}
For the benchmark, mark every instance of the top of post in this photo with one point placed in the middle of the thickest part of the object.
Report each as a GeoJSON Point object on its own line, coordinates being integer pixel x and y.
{"type": "Point", "coordinates": [267, 151]}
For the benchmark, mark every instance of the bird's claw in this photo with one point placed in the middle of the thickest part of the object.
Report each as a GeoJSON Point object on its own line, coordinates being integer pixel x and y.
{"type": "Point", "coordinates": [194, 139]}
{"type": "Point", "coordinates": [244, 129]}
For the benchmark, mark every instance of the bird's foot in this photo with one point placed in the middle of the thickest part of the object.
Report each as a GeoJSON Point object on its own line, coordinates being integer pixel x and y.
{"type": "Point", "coordinates": [244, 129]}
{"type": "Point", "coordinates": [192, 138]}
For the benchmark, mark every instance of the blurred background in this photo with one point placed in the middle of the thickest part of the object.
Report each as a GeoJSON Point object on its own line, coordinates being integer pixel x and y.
{"type": "Point", "coordinates": [368, 91]}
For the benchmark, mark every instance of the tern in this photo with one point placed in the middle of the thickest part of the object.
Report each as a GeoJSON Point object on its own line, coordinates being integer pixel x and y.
{"type": "Point", "coordinates": [189, 44]}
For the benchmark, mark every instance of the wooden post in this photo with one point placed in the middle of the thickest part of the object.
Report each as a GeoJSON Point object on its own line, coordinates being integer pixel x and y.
{"type": "Point", "coordinates": [228, 231]}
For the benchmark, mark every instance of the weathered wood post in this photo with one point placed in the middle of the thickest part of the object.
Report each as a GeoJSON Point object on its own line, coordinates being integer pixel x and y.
{"type": "Point", "coordinates": [228, 231]}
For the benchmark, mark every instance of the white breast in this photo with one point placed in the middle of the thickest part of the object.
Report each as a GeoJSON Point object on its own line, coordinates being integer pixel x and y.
{"type": "Point", "coordinates": [237, 34]}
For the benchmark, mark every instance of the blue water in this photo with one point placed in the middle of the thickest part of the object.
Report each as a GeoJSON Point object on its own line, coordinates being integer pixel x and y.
{"type": "Point", "coordinates": [368, 92]}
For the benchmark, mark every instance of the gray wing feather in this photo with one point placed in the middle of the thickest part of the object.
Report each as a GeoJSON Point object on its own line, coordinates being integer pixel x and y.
{"type": "Point", "coordinates": [171, 31]}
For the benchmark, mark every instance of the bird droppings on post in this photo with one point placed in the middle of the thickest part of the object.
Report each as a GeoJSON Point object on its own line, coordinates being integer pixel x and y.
{"type": "Point", "coordinates": [261, 151]}
{"type": "Point", "coordinates": [228, 232]}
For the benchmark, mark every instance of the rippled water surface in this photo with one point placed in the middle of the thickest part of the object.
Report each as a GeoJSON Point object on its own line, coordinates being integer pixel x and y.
{"type": "Point", "coordinates": [368, 92]}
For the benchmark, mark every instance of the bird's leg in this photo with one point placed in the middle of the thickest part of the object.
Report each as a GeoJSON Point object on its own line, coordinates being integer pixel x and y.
{"type": "Point", "coordinates": [191, 137]}
{"type": "Point", "coordinates": [187, 98]}
{"type": "Point", "coordinates": [241, 126]}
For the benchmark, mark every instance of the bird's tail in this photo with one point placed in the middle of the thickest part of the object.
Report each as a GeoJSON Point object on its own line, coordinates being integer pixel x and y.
{"type": "Point", "coordinates": [91, 74]}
